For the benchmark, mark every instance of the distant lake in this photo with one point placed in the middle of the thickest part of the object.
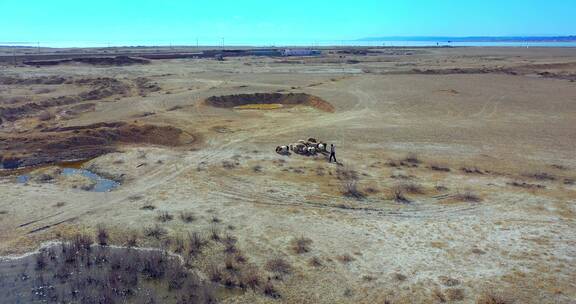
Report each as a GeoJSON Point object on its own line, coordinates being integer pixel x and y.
{"type": "Point", "coordinates": [292, 43]}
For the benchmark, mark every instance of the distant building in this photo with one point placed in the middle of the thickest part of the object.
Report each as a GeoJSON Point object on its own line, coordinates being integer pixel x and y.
{"type": "Point", "coordinates": [300, 52]}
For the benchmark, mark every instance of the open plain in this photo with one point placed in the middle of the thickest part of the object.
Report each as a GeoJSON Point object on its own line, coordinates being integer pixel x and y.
{"type": "Point", "coordinates": [456, 181]}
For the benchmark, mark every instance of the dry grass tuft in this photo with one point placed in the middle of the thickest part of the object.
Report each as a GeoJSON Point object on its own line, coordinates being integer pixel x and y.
{"type": "Point", "coordinates": [301, 245]}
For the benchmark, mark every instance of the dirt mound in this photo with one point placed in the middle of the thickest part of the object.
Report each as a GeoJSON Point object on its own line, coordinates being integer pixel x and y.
{"type": "Point", "coordinates": [47, 80]}
{"type": "Point", "coordinates": [84, 142]}
{"type": "Point", "coordinates": [100, 88]}
{"type": "Point", "coordinates": [231, 101]}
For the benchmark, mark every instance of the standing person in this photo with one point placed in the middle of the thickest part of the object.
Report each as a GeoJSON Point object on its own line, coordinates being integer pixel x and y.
{"type": "Point", "coordinates": [332, 153]}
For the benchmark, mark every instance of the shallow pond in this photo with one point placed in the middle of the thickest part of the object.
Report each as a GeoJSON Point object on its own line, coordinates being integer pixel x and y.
{"type": "Point", "coordinates": [102, 184]}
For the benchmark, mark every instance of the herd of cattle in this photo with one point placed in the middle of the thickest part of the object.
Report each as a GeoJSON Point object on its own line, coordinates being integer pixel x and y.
{"type": "Point", "coordinates": [303, 147]}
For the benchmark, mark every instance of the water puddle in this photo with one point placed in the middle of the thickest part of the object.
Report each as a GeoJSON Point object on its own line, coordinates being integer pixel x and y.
{"type": "Point", "coordinates": [101, 184]}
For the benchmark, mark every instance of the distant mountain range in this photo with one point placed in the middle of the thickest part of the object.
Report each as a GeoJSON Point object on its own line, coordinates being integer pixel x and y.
{"type": "Point", "coordinates": [474, 39]}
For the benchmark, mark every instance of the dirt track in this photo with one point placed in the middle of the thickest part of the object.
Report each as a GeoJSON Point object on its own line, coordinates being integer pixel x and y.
{"type": "Point", "coordinates": [489, 129]}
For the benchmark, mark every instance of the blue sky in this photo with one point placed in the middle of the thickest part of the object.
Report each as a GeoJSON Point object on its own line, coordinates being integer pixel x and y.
{"type": "Point", "coordinates": [296, 20]}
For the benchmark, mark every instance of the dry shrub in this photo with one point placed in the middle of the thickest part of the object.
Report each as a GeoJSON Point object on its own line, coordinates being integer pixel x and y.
{"type": "Point", "coordinates": [315, 262]}
{"type": "Point", "coordinates": [399, 277]}
{"type": "Point", "coordinates": [179, 244]}
{"type": "Point", "coordinates": [164, 216]}
{"type": "Point", "coordinates": [301, 245]}
{"type": "Point", "coordinates": [176, 276]}
{"type": "Point", "coordinates": [41, 260]}
{"type": "Point", "coordinates": [471, 170]}
{"type": "Point", "coordinates": [543, 176]}
{"type": "Point", "coordinates": [230, 264]}
{"type": "Point", "coordinates": [229, 242]}
{"type": "Point", "coordinates": [250, 278]}
{"type": "Point", "coordinates": [455, 294]}
{"type": "Point", "coordinates": [195, 243]}
{"type": "Point", "coordinates": [187, 217]}
{"type": "Point", "coordinates": [148, 206]}
{"type": "Point", "coordinates": [215, 273]}
{"type": "Point", "coordinates": [492, 297]}
{"type": "Point", "coordinates": [279, 266]}
{"type": "Point", "coordinates": [131, 240]}
{"type": "Point", "coordinates": [412, 188]}
{"type": "Point", "coordinates": [82, 242]}
{"type": "Point", "coordinates": [438, 296]}
{"type": "Point", "coordinates": [240, 258]}
{"type": "Point", "coordinates": [349, 188]}
{"type": "Point", "coordinates": [412, 158]}
{"type": "Point", "coordinates": [438, 167]}
{"type": "Point", "coordinates": [155, 231]}
{"type": "Point", "coordinates": [214, 233]}
{"type": "Point", "coordinates": [270, 291]}
{"type": "Point", "coordinates": [102, 236]}
{"type": "Point", "coordinates": [349, 183]}
{"type": "Point", "coordinates": [345, 258]}
{"type": "Point", "coordinates": [398, 195]}
{"type": "Point", "coordinates": [467, 196]}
